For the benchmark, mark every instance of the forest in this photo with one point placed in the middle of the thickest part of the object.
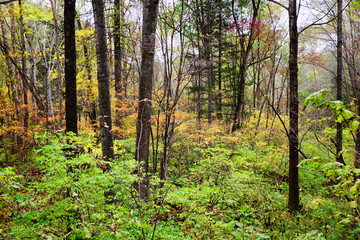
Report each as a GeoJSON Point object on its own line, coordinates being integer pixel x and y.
{"type": "Point", "coordinates": [180, 119]}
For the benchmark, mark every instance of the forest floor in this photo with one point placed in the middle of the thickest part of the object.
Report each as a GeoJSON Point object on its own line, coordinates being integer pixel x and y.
{"type": "Point", "coordinates": [220, 186]}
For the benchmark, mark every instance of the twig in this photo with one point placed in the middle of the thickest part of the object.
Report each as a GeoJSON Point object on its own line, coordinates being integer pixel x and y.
{"type": "Point", "coordinates": [280, 4]}
{"type": "Point", "coordinates": [5, 2]}
{"type": "Point", "coordinates": [316, 23]}
{"type": "Point", "coordinates": [323, 144]}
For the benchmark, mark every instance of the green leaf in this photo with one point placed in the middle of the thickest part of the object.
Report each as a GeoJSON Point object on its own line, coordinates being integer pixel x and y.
{"type": "Point", "coordinates": [345, 220]}
{"type": "Point", "coordinates": [316, 98]}
{"type": "Point", "coordinates": [353, 204]}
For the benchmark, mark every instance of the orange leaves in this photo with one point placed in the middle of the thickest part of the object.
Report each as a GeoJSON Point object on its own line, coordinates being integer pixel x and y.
{"type": "Point", "coordinates": [310, 56]}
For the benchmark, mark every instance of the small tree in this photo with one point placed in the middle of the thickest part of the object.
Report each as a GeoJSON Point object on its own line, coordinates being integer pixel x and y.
{"type": "Point", "coordinates": [103, 80]}
{"type": "Point", "coordinates": [143, 126]}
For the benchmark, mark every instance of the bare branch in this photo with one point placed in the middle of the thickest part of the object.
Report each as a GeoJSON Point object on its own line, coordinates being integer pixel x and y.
{"type": "Point", "coordinates": [317, 22]}
{"type": "Point", "coordinates": [8, 1]}
{"type": "Point", "coordinates": [280, 4]}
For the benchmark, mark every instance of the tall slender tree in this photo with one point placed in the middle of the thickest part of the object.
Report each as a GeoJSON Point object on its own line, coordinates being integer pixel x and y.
{"type": "Point", "coordinates": [143, 126]}
{"type": "Point", "coordinates": [246, 44]}
{"type": "Point", "coordinates": [23, 64]}
{"type": "Point", "coordinates": [70, 67]}
{"type": "Point", "coordinates": [58, 63]}
{"type": "Point", "coordinates": [118, 56]}
{"type": "Point", "coordinates": [339, 80]}
{"type": "Point", "coordinates": [103, 80]}
{"type": "Point", "coordinates": [293, 200]}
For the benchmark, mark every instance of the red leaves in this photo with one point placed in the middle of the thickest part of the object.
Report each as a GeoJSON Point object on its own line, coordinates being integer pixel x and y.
{"type": "Point", "coordinates": [245, 25]}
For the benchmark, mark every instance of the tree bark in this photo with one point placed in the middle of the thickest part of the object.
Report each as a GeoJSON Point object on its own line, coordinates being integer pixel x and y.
{"type": "Point", "coordinates": [92, 112]}
{"type": "Point", "coordinates": [58, 63]}
{"type": "Point", "coordinates": [118, 59]}
{"type": "Point", "coordinates": [70, 67]}
{"type": "Point", "coordinates": [143, 127]}
{"type": "Point", "coordinates": [103, 80]}
{"type": "Point", "coordinates": [23, 65]}
{"type": "Point", "coordinates": [218, 101]}
{"type": "Point", "coordinates": [14, 95]}
{"type": "Point", "coordinates": [339, 81]}
{"type": "Point", "coordinates": [245, 52]}
{"type": "Point", "coordinates": [293, 200]}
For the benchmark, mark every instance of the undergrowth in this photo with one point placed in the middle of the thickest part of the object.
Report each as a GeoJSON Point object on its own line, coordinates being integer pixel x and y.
{"type": "Point", "coordinates": [220, 186]}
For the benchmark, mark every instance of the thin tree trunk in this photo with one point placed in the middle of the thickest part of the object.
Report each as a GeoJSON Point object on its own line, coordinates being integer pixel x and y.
{"type": "Point", "coordinates": [58, 63]}
{"type": "Point", "coordinates": [92, 112]}
{"type": "Point", "coordinates": [10, 70]}
{"type": "Point", "coordinates": [107, 145]}
{"type": "Point", "coordinates": [119, 85]}
{"type": "Point", "coordinates": [70, 67]}
{"type": "Point", "coordinates": [339, 81]}
{"type": "Point", "coordinates": [15, 62]}
{"type": "Point", "coordinates": [244, 59]}
{"type": "Point", "coordinates": [32, 61]}
{"type": "Point", "coordinates": [293, 200]}
{"type": "Point", "coordinates": [23, 65]}
{"type": "Point", "coordinates": [143, 127]}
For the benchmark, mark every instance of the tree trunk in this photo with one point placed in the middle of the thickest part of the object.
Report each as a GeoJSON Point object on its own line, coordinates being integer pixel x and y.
{"type": "Point", "coordinates": [293, 201]}
{"type": "Point", "coordinates": [143, 127]}
{"type": "Point", "coordinates": [245, 52]}
{"type": "Point", "coordinates": [70, 67]}
{"type": "Point", "coordinates": [219, 90]}
{"type": "Point", "coordinates": [103, 80]}
{"type": "Point", "coordinates": [118, 59]}
{"type": "Point", "coordinates": [15, 62]}
{"type": "Point", "coordinates": [339, 80]}
{"type": "Point", "coordinates": [32, 60]}
{"type": "Point", "coordinates": [23, 65]}
{"type": "Point", "coordinates": [10, 70]}
{"type": "Point", "coordinates": [58, 63]}
{"type": "Point", "coordinates": [92, 112]}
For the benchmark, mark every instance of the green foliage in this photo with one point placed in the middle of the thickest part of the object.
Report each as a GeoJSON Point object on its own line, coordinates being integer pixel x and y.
{"type": "Point", "coordinates": [224, 187]}
{"type": "Point", "coordinates": [342, 114]}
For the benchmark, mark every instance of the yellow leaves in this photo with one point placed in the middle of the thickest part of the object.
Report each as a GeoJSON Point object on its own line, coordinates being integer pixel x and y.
{"type": "Point", "coordinates": [13, 54]}
{"type": "Point", "coordinates": [314, 204]}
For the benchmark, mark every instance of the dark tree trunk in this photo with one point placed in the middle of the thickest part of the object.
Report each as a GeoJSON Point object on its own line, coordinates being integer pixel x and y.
{"type": "Point", "coordinates": [219, 91]}
{"type": "Point", "coordinates": [92, 111]}
{"type": "Point", "coordinates": [24, 69]}
{"type": "Point", "coordinates": [143, 127]}
{"type": "Point", "coordinates": [103, 80]}
{"type": "Point", "coordinates": [118, 58]}
{"type": "Point", "coordinates": [245, 52]}
{"type": "Point", "coordinates": [209, 68]}
{"type": "Point", "coordinates": [293, 201]}
{"type": "Point", "coordinates": [70, 67]}
{"type": "Point", "coordinates": [339, 80]}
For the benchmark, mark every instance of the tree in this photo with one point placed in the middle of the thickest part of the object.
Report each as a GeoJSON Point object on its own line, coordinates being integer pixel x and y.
{"type": "Point", "coordinates": [339, 80]}
{"type": "Point", "coordinates": [118, 55]}
{"type": "Point", "coordinates": [246, 44]}
{"type": "Point", "coordinates": [174, 48]}
{"type": "Point", "coordinates": [58, 63]}
{"type": "Point", "coordinates": [23, 63]}
{"type": "Point", "coordinates": [293, 199]}
{"type": "Point", "coordinates": [70, 67]}
{"type": "Point", "coordinates": [143, 126]}
{"type": "Point", "coordinates": [107, 145]}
